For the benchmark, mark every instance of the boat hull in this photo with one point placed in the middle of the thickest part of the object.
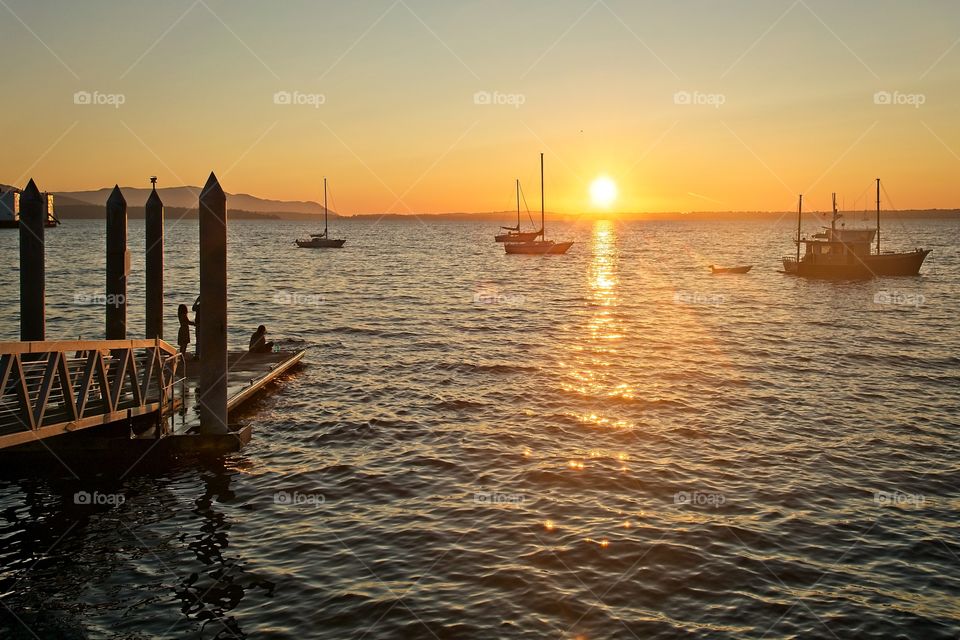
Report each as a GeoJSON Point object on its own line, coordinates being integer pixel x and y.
{"type": "Point", "coordinates": [884, 264]}
{"type": "Point", "coordinates": [514, 236]}
{"type": "Point", "coordinates": [721, 271]}
{"type": "Point", "coordinates": [539, 248]}
{"type": "Point", "coordinates": [320, 243]}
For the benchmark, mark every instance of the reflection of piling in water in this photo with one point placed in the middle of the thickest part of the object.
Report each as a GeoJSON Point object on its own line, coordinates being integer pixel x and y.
{"type": "Point", "coordinates": [118, 266]}
{"type": "Point", "coordinates": [213, 302]}
{"type": "Point", "coordinates": [33, 215]}
{"type": "Point", "coordinates": [153, 224]}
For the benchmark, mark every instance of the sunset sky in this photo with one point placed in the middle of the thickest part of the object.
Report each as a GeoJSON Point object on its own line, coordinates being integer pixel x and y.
{"type": "Point", "coordinates": [684, 105]}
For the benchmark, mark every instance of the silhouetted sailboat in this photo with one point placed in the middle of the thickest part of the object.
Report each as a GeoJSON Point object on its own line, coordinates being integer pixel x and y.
{"type": "Point", "coordinates": [321, 240]}
{"type": "Point", "coordinates": [513, 234]}
{"type": "Point", "coordinates": [542, 246]}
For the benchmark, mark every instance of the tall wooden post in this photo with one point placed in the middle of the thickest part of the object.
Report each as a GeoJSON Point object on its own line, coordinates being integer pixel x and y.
{"type": "Point", "coordinates": [213, 302]}
{"type": "Point", "coordinates": [153, 223]}
{"type": "Point", "coordinates": [33, 217]}
{"type": "Point", "coordinates": [118, 266]}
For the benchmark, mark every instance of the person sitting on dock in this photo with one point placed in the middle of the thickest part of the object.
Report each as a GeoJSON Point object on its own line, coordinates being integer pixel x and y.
{"type": "Point", "coordinates": [183, 337]}
{"type": "Point", "coordinates": [258, 341]}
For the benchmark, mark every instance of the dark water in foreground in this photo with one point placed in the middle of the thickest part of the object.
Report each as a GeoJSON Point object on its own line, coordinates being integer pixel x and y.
{"type": "Point", "coordinates": [610, 444]}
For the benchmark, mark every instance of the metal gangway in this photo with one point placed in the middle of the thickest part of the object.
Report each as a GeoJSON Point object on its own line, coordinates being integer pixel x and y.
{"type": "Point", "coordinates": [51, 388]}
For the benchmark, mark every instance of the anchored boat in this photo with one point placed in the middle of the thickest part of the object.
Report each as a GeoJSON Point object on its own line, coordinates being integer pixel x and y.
{"type": "Point", "coordinates": [321, 240]}
{"type": "Point", "coordinates": [846, 253]}
{"type": "Point", "coordinates": [542, 246]}
{"type": "Point", "coordinates": [513, 234]}
{"type": "Point", "coordinates": [721, 270]}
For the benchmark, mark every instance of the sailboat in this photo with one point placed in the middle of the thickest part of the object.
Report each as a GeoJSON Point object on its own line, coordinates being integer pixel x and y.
{"type": "Point", "coordinates": [321, 240]}
{"type": "Point", "coordinates": [513, 234]}
{"type": "Point", "coordinates": [846, 253]}
{"type": "Point", "coordinates": [542, 246]}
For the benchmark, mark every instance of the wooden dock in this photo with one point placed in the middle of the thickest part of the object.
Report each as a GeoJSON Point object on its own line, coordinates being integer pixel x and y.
{"type": "Point", "coordinates": [247, 375]}
{"type": "Point", "coordinates": [121, 395]}
{"type": "Point", "coordinates": [135, 395]}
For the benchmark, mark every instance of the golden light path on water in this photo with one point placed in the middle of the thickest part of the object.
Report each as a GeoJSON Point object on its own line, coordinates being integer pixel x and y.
{"type": "Point", "coordinates": [625, 355]}
{"type": "Point", "coordinates": [589, 367]}
{"type": "Point", "coordinates": [604, 331]}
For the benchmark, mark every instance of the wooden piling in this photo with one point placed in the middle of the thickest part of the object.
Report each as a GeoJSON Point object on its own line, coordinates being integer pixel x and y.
{"type": "Point", "coordinates": [118, 266]}
{"type": "Point", "coordinates": [153, 212]}
{"type": "Point", "coordinates": [33, 217]}
{"type": "Point", "coordinates": [213, 302]}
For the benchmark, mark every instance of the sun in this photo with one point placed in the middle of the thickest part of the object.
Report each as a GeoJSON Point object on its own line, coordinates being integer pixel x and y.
{"type": "Point", "coordinates": [603, 191]}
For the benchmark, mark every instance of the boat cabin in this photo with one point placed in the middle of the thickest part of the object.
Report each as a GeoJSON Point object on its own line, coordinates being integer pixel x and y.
{"type": "Point", "coordinates": [835, 245]}
{"type": "Point", "coordinates": [833, 249]}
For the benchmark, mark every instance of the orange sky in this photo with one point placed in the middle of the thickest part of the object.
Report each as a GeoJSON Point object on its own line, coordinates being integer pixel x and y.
{"type": "Point", "coordinates": [432, 106]}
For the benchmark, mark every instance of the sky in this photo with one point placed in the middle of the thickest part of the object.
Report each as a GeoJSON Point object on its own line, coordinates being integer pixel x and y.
{"type": "Point", "coordinates": [438, 105]}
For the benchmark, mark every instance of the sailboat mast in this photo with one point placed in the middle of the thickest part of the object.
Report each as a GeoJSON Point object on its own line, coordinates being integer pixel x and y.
{"type": "Point", "coordinates": [518, 205]}
{"type": "Point", "coordinates": [878, 216]}
{"type": "Point", "coordinates": [324, 206]}
{"type": "Point", "coordinates": [543, 229]}
{"type": "Point", "coordinates": [799, 209]}
{"type": "Point", "coordinates": [833, 220]}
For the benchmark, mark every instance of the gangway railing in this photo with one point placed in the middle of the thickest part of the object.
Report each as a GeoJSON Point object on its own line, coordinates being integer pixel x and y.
{"type": "Point", "coordinates": [55, 387]}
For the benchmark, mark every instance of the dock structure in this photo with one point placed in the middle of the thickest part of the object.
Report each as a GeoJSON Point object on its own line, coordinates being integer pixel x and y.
{"type": "Point", "coordinates": [32, 265]}
{"type": "Point", "coordinates": [247, 375]}
{"type": "Point", "coordinates": [51, 388]}
{"type": "Point", "coordinates": [153, 231]}
{"type": "Point", "coordinates": [140, 393]}
{"type": "Point", "coordinates": [212, 326]}
{"type": "Point", "coordinates": [55, 388]}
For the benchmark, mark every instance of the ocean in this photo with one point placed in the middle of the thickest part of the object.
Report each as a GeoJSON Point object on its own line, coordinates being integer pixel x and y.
{"type": "Point", "coordinates": [613, 443]}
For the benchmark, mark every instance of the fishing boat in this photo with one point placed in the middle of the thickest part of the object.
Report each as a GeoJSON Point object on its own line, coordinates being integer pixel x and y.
{"type": "Point", "coordinates": [722, 270]}
{"type": "Point", "coordinates": [321, 240]}
{"type": "Point", "coordinates": [513, 234]}
{"type": "Point", "coordinates": [542, 246]}
{"type": "Point", "coordinates": [846, 253]}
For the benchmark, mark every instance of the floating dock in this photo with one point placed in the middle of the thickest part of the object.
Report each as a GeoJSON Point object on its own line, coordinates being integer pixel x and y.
{"type": "Point", "coordinates": [120, 395]}
{"type": "Point", "coordinates": [130, 394]}
{"type": "Point", "coordinates": [247, 375]}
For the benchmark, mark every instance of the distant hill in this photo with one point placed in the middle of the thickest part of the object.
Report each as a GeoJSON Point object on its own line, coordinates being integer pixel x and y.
{"type": "Point", "coordinates": [98, 212]}
{"type": "Point", "coordinates": [186, 198]}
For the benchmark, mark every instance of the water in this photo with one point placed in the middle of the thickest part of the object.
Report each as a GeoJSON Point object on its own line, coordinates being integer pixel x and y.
{"type": "Point", "coordinates": [609, 444]}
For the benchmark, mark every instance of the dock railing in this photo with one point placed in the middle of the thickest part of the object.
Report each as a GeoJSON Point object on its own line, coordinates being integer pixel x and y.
{"type": "Point", "coordinates": [54, 387]}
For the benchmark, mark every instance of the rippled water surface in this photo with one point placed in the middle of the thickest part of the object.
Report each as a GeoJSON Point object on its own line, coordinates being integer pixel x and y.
{"type": "Point", "coordinates": [608, 444]}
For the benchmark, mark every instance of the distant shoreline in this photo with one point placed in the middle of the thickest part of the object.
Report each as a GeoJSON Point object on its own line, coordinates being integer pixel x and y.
{"type": "Point", "coordinates": [95, 212]}
{"type": "Point", "coordinates": [509, 216]}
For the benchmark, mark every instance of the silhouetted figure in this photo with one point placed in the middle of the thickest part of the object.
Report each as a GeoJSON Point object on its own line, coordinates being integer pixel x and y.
{"type": "Point", "coordinates": [258, 341]}
{"type": "Point", "coordinates": [183, 336]}
{"type": "Point", "coordinates": [196, 322]}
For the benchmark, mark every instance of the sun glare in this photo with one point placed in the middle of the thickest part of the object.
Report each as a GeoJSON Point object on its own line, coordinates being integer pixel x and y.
{"type": "Point", "coordinates": [603, 191]}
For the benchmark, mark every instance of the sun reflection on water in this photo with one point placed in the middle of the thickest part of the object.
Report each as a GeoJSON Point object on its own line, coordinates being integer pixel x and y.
{"type": "Point", "coordinates": [590, 360]}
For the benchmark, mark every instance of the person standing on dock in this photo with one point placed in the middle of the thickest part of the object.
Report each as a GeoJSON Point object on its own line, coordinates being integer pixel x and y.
{"type": "Point", "coordinates": [196, 323]}
{"type": "Point", "coordinates": [183, 336]}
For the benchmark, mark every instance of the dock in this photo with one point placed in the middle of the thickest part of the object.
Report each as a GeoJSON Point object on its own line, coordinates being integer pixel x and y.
{"type": "Point", "coordinates": [248, 374]}
{"type": "Point", "coordinates": [129, 396]}
{"type": "Point", "coordinates": [50, 389]}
